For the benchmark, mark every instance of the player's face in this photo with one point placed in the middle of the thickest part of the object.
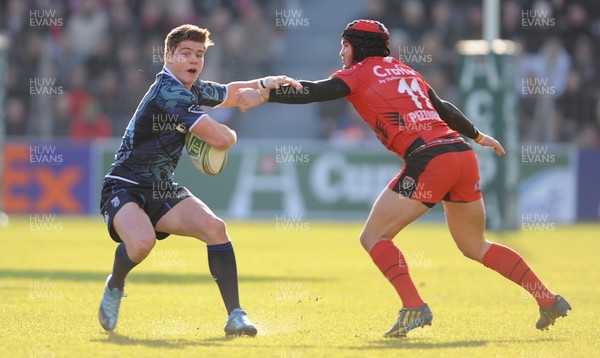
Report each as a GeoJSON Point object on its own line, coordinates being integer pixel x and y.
{"type": "Point", "coordinates": [346, 54]}
{"type": "Point", "coordinates": [186, 61]}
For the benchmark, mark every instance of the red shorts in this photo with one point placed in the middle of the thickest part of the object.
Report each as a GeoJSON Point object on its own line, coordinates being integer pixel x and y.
{"type": "Point", "coordinates": [447, 172]}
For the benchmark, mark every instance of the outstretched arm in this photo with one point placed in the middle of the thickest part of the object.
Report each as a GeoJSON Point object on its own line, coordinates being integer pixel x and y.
{"type": "Point", "coordinates": [265, 83]}
{"type": "Point", "coordinates": [311, 91]}
{"type": "Point", "coordinates": [460, 123]}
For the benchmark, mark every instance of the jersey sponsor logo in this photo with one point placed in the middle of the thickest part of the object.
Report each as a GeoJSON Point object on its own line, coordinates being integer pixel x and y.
{"type": "Point", "coordinates": [422, 115]}
{"type": "Point", "coordinates": [115, 202]}
{"type": "Point", "coordinates": [381, 71]}
{"type": "Point", "coordinates": [195, 108]}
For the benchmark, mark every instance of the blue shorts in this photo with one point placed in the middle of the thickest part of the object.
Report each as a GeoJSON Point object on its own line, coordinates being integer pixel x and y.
{"type": "Point", "coordinates": [156, 199]}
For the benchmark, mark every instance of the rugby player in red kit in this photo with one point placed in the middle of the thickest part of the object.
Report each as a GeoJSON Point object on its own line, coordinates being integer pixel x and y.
{"type": "Point", "coordinates": [439, 166]}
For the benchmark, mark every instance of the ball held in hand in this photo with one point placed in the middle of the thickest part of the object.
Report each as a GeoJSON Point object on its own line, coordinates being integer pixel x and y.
{"type": "Point", "coordinates": [206, 158]}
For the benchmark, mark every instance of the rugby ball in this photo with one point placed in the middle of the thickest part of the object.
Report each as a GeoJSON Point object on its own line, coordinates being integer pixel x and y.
{"type": "Point", "coordinates": [206, 158]}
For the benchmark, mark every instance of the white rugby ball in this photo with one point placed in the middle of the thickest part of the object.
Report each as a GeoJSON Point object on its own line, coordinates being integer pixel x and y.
{"type": "Point", "coordinates": [206, 158]}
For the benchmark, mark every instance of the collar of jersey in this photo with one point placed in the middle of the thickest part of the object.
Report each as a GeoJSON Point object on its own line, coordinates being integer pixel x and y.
{"type": "Point", "coordinates": [166, 71]}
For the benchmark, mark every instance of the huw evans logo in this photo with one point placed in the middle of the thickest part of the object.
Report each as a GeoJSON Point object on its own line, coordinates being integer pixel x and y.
{"type": "Point", "coordinates": [45, 19]}
{"type": "Point", "coordinates": [44, 86]}
{"type": "Point", "coordinates": [288, 154]}
{"type": "Point", "coordinates": [539, 19]}
{"type": "Point", "coordinates": [537, 155]}
{"type": "Point", "coordinates": [291, 19]}
{"type": "Point", "coordinates": [44, 155]}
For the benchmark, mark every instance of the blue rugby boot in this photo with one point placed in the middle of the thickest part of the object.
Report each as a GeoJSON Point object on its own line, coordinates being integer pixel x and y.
{"type": "Point", "coordinates": [109, 306]}
{"type": "Point", "coordinates": [238, 324]}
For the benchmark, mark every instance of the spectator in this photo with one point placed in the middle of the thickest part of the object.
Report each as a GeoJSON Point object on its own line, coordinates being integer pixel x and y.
{"type": "Point", "coordinates": [78, 93]}
{"type": "Point", "coordinates": [256, 42]}
{"type": "Point", "coordinates": [577, 106]}
{"type": "Point", "coordinates": [87, 26]}
{"type": "Point", "coordinates": [583, 62]}
{"type": "Point", "coordinates": [16, 116]}
{"type": "Point", "coordinates": [91, 123]}
{"type": "Point", "coordinates": [103, 46]}
{"type": "Point", "coordinates": [62, 120]}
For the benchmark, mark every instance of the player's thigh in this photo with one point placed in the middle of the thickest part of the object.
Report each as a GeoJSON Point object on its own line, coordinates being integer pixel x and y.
{"type": "Point", "coordinates": [466, 187]}
{"type": "Point", "coordinates": [134, 228]}
{"type": "Point", "coordinates": [192, 217]}
{"type": "Point", "coordinates": [390, 214]}
{"type": "Point", "coordinates": [466, 222]}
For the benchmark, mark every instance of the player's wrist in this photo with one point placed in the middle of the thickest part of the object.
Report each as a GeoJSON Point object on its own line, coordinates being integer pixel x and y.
{"type": "Point", "coordinates": [262, 99]}
{"type": "Point", "coordinates": [264, 94]}
{"type": "Point", "coordinates": [480, 138]}
{"type": "Point", "coordinates": [262, 83]}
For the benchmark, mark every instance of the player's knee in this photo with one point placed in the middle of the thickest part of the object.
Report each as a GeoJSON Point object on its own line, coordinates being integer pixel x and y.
{"type": "Point", "coordinates": [140, 248]}
{"type": "Point", "coordinates": [474, 251]}
{"type": "Point", "coordinates": [215, 231]}
{"type": "Point", "coordinates": [368, 241]}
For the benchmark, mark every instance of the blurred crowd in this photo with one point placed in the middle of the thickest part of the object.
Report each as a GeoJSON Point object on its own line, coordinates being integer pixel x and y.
{"type": "Point", "coordinates": [78, 68]}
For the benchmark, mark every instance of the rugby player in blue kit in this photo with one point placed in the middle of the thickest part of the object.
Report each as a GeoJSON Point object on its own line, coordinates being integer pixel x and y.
{"type": "Point", "coordinates": [141, 203]}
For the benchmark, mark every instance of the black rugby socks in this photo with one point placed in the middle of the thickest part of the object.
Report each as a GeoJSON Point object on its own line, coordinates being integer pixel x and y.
{"type": "Point", "coordinates": [223, 268]}
{"type": "Point", "coordinates": [121, 268]}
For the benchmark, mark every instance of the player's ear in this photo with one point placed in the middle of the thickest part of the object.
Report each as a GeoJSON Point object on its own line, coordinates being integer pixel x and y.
{"type": "Point", "coordinates": [168, 56]}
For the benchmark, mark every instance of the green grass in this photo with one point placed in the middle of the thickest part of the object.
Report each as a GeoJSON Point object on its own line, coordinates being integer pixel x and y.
{"type": "Point", "coordinates": [312, 293]}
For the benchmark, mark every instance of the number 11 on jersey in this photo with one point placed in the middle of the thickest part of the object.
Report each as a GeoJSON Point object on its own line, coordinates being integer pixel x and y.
{"type": "Point", "coordinates": [403, 87]}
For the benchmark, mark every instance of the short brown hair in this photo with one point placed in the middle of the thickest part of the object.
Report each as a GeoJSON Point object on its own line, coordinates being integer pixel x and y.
{"type": "Point", "coordinates": [186, 32]}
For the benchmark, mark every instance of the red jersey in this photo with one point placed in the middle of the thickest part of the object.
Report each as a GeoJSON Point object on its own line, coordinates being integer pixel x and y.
{"type": "Point", "coordinates": [392, 98]}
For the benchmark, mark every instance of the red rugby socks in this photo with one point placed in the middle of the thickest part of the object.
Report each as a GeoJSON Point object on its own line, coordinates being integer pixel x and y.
{"type": "Point", "coordinates": [511, 265]}
{"type": "Point", "coordinates": [392, 264]}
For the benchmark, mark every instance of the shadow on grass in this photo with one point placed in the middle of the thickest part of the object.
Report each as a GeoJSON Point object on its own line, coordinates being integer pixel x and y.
{"type": "Point", "coordinates": [528, 340]}
{"type": "Point", "coordinates": [142, 277]}
{"type": "Point", "coordinates": [370, 345]}
{"type": "Point", "coordinates": [117, 339]}
{"type": "Point", "coordinates": [420, 344]}
{"type": "Point", "coordinates": [220, 341]}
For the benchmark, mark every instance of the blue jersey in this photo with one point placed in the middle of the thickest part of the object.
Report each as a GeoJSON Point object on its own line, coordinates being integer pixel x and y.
{"type": "Point", "coordinates": [154, 139]}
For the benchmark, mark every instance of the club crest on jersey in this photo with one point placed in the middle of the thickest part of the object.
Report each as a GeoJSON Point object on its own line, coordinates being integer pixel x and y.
{"type": "Point", "coordinates": [408, 183]}
{"type": "Point", "coordinates": [115, 201]}
{"type": "Point", "coordinates": [195, 108]}
{"type": "Point", "coordinates": [181, 128]}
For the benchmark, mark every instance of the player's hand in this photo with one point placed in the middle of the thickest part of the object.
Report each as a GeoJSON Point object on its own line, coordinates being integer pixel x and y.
{"type": "Point", "coordinates": [485, 140]}
{"type": "Point", "coordinates": [275, 82]}
{"type": "Point", "coordinates": [248, 98]}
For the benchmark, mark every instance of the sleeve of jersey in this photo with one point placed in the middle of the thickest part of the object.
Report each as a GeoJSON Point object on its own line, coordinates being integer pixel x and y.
{"type": "Point", "coordinates": [209, 93]}
{"type": "Point", "coordinates": [180, 107]}
{"type": "Point", "coordinates": [312, 91]}
{"type": "Point", "coordinates": [349, 77]}
{"type": "Point", "coordinates": [453, 116]}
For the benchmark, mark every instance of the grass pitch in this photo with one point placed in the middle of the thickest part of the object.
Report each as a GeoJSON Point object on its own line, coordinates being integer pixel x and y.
{"type": "Point", "coordinates": [310, 289]}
